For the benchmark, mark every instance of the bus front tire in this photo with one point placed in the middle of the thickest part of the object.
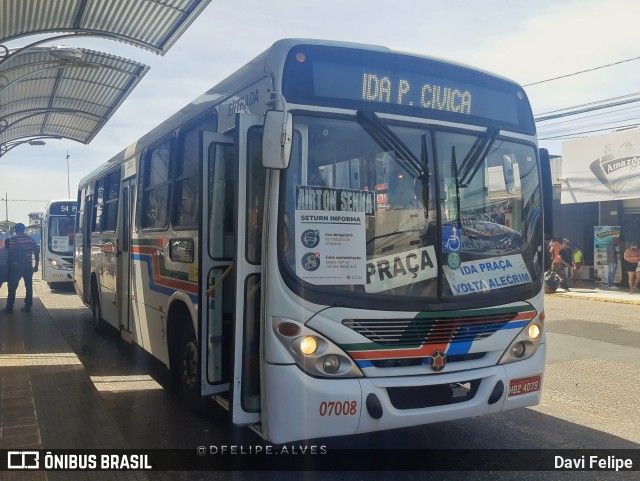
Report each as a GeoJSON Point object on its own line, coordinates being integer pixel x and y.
{"type": "Point", "coordinates": [189, 370]}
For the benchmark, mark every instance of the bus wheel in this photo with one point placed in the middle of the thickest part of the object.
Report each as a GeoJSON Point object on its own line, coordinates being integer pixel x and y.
{"type": "Point", "coordinates": [188, 366]}
{"type": "Point", "coordinates": [98, 322]}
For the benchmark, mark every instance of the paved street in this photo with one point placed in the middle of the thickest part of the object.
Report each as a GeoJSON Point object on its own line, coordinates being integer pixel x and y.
{"type": "Point", "coordinates": [590, 396]}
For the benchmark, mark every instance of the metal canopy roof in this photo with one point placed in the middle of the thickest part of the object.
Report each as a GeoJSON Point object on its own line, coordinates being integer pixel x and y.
{"type": "Point", "coordinates": [151, 24]}
{"type": "Point", "coordinates": [44, 95]}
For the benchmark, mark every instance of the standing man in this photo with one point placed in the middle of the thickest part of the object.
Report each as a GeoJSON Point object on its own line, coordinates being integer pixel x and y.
{"type": "Point", "coordinates": [23, 249]}
{"type": "Point", "coordinates": [565, 257]}
{"type": "Point", "coordinates": [4, 262]}
{"type": "Point", "coordinates": [612, 260]}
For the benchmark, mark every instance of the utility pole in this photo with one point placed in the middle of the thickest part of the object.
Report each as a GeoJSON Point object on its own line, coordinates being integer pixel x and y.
{"type": "Point", "coordinates": [68, 178]}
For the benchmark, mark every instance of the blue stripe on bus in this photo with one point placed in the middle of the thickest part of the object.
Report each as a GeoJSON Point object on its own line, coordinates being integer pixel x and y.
{"type": "Point", "coordinates": [515, 324]}
{"type": "Point", "coordinates": [146, 258]}
{"type": "Point", "coordinates": [364, 364]}
{"type": "Point", "coordinates": [458, 347]}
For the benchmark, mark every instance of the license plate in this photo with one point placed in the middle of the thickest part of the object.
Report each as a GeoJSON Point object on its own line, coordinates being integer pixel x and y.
{"type": "Point", "coordinates": [524, 385]}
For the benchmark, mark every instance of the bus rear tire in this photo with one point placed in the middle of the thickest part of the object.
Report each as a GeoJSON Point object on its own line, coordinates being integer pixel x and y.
{"type": "Point", "coordinates": [96, 311]}
{"type": "Point", "coordinates": [189, 369]}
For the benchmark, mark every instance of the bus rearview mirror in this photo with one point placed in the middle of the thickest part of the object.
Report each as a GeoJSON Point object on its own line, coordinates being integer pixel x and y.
{"type": "Point", "coordinates": [276, 140]}
{"type": "Point", "coordinates": [507, 172]}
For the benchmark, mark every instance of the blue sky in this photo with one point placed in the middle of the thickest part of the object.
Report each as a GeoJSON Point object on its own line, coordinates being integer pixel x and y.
{"type": "Point", "coordinates": [522, 40]}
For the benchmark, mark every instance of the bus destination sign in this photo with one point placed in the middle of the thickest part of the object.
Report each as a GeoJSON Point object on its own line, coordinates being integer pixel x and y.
{"type": "Point", "coordinates": [428, 96]}
{"type": "Point", "coordinates": [62, 208]}
{"type": "Point", "coordinates": [405, 85]}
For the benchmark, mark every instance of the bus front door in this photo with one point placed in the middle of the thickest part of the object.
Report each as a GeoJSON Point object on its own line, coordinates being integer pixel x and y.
{"type": "Point", "coordinates": [231, 267]}
{"type": "Point", "coordinates": [216, 252]}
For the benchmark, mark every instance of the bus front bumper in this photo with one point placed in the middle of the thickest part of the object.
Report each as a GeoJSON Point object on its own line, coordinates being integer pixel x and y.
{"type": "Point", "coordinates": [301, 407]}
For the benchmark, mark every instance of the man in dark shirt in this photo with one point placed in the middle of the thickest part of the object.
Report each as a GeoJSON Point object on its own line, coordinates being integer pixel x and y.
{"type": "Point", "coordinates": [612, 260]}
{"type": "Point", "coordinates": [565, 258]}
{"type": "Point", "coordinates": [23, 247]}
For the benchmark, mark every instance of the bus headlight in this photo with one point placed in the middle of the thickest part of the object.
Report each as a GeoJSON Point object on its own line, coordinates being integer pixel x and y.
{"type": "Point", "coordinates": [525, 344]}
{"type": "Point", "coordinates": [331, 364]}
{"type": "Point", "coordinates": [518, 349]}
{"type": "Point", "coordinates": [56, 264]}
{"type": "Point", "coordinates": [313, 353]}
{"type": "Point", "coordinates": [308, 345]}
{"type": "Point", "coordinates": [534, 331]}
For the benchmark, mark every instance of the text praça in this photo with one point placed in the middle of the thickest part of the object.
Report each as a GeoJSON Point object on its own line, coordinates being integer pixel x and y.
{"type": "Point", "coordinates": [431, 96]}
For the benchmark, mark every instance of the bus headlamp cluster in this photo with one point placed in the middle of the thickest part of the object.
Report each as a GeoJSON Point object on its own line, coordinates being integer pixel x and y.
{"type": "Point", "coordinates": [313, 353]}
{"type": "Point", "coordinates": [55, 264]}
{"type": "Point", "coordinates": [526, 342]}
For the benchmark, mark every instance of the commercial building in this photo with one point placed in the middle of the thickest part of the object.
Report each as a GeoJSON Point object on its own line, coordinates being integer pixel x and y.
{"type": "Point", "coordinates": [597, 183]}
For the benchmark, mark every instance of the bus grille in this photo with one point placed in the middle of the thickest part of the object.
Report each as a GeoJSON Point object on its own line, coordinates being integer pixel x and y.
{"type": "Point", "coordinates": [418, 397]}
{"type": "Point", "coordinates": [417, 332]}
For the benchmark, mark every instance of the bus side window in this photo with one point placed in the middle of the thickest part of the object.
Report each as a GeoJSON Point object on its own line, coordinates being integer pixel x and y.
{"type": "Point", "coordinates": [186, 187]}
{"type": "Point", "coordinates": [155, 199]}
{"type": "Point", "coordinates": [112, 192]}
{"type": "Point", "coordinates": [97, 207]}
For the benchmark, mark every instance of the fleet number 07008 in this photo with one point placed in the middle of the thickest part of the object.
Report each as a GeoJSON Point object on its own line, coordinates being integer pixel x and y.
{"type": "Point", "coordinates": [338, 408]}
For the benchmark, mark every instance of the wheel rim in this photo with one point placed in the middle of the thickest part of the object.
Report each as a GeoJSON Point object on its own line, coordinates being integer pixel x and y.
{"type": "Point", "coordinates": [190, 364]}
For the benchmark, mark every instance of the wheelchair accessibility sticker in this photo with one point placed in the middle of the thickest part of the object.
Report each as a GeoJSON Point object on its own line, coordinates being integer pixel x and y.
{"type": "Point", "coordinates": [451, 241]}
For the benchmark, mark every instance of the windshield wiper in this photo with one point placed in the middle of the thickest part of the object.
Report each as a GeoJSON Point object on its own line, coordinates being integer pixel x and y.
{"type": "Point", "coordinates": [424, 157]}
{"type": "Point", "coordinates": [473, 160]}
{"type": "Point", "coordinates": [454, 164]}
{"type": "Point", "coordinates": [389, 141]}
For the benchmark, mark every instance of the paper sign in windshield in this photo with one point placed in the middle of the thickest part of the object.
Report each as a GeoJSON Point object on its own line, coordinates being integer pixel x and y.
{"type": "Point", "coordinates": [60, 243]}
{"type": "Point", "coordinates": [404, 268]}
{"type": "Point", "coordinates": [487, 275]}
{"type": "Point", "coordinates": [330, 247]}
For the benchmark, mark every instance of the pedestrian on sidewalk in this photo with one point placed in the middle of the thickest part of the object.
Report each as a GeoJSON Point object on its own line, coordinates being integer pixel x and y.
{"type": "Point", "coordinates": [612, 260]}
{"type": "Point", "coordinates": [21, 253]}
{"type": "Point", "coordinates": [632, 258]}
{"type": "Point", "coordinates": [563, 267]}
{"type": "Point", "coordinates": [4, 262]}
{"type": "Point", "coordinates": [556, 260]}
{"type": "Point", "coordinates": [577, 264]}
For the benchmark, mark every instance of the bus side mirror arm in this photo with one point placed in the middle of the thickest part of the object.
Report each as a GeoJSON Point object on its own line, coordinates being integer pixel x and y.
{"type": "Point", "coordinates": [276, 140]}
{"type": "Point", "coordinates": [277, 135]}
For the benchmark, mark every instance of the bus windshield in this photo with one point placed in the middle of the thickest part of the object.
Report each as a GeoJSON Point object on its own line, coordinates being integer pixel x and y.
{"type": "Point", "coordinates": [60, 234]}
{"type": "Point", "coordinates": [372, 207]}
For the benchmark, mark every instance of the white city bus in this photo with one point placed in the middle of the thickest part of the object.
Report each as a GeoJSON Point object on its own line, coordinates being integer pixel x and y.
{"type": "Point", "coordinates": [56, 245]}
{"type": "Point", "coordinates": [336, 239]}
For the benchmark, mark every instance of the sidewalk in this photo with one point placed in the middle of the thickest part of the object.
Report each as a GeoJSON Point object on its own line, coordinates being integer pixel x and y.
{"type": "Point", "coordinates": [47, 400]}
{"type": "Point", "coordinates": [596, 291]}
